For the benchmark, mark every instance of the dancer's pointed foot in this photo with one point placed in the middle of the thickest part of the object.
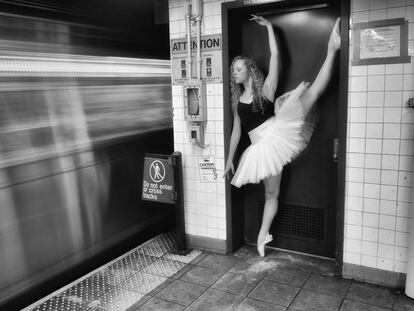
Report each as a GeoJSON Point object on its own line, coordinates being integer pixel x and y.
{"type": "Point", "coordinates": [261, 242]}
{"type": "Point", "coordinates": [335, 39]}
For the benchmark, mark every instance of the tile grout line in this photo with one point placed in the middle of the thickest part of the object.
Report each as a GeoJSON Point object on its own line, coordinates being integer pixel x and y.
{"type": "Point", "coordinates": [179, 279]}
{"type": "Point", "coordinates": [300, 289]}
{"type": "Point", "coordinates": [367, 303]}
{"type": "Point", "coordinates": [211, 286]}
{"type": "Point", "coordinates": [254, 287]}
{"type": "Point", "coordinates": [346, 294]}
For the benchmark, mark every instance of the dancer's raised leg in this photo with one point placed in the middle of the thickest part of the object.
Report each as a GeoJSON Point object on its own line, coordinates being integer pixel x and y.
{"type": "Point", "coordinates": [325, 73]}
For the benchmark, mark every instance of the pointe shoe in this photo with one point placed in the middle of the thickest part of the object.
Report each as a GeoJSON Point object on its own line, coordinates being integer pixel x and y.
{"type": "Point", "coordinates": [335, 39]}
{"type": "Point", "coordinates": [261, 246]}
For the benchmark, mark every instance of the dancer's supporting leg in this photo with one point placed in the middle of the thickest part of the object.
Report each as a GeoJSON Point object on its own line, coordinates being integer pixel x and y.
{"type": "Point", "coordinates": [272, 185]}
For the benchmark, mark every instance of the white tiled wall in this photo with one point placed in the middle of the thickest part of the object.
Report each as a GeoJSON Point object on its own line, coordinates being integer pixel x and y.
{"type": "Point", "coordinates": [380, 159]}
{"type": "Point", "coordinates": [205, 213]}
{"type": "Point", "coordinates": [380, 162]}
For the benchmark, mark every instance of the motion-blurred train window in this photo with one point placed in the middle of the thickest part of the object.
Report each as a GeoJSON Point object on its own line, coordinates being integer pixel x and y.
{"type": "Point", "coordinates": [58, 95]}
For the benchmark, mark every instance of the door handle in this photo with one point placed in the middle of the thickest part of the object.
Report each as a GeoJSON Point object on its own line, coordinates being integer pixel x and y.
{"type": "Point", "coordinates": [335, 149]}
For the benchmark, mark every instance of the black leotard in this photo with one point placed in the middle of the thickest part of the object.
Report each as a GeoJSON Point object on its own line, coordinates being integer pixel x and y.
{"type": "Point", "coordinates": [251, 119]}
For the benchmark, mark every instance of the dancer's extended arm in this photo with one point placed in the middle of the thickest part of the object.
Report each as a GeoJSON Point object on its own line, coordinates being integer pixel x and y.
{"type": "Point", "coordinates": [270, 83]}
{"type": "Point", "coordinates": [234, 141]}
{"type": "Point", "coordinates": [322, 79]}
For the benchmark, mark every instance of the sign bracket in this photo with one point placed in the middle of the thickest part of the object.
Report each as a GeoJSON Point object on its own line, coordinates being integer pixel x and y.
{"type": "Point", "coordinates": [163, 182]}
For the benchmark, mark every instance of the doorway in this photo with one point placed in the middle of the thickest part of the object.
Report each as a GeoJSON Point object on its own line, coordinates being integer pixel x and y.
{"type": "Point", "coordinates": [310, 215]}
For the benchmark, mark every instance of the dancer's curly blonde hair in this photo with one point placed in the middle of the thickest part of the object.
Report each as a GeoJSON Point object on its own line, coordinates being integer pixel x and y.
{"type": "Point", "coordinates": [257, 84]}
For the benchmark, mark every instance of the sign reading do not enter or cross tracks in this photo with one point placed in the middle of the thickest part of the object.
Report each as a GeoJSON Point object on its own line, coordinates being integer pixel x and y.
{"type": "Point", "coordinates": [163, 182]}
{"type": "Point", "coordinates": [158, 179]}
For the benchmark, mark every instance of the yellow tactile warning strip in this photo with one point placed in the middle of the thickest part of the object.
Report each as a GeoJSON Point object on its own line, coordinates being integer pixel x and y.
{"type": "Point", "coordinates": [122, 283]}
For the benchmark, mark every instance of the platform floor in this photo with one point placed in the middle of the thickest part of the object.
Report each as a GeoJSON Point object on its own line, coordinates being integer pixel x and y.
{"type": "Point", "coordinates": [150, 277]}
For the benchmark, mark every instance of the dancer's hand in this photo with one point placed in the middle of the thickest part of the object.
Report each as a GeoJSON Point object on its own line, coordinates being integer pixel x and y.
{"type": "Point", "coordinates": [260, 20]}
{"type": "Point", "coordinates": [335, 39]}
{"type": "Point", "coordinates": [229, 167]}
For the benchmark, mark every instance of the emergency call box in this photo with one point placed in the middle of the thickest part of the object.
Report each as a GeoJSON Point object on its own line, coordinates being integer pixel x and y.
{"type": "Point", "coordinates": [194, 101]}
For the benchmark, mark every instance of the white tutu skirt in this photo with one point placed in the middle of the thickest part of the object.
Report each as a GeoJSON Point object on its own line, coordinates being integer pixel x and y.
{"type": "Point", "coordinates": [275, 142]}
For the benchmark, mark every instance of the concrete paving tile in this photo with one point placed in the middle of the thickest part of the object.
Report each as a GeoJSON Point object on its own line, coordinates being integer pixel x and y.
{"type": "Point", "coordinates": [256, 305]}
{"type": "Point", "coordinates": [199, 258]}
{"type": "Point", "coordinates": [371, 294]}
{"type": "Point", "coordinates": [311, 301]}
{"type": "Point", "coordinates": [181, 292]}
{"type": "Point", "coordinates": [215, 300]}
{"type": "Point", "coordinates": [218, 262]}
{"type": "Point", "coordinates": [273, 292]}
{"type": "Point", "coordinates": [289, 276]}
{"type": "Point", "coordinates": [403, 303]}
{"type": "Point", "coordinates": [155, 304]}
{"type": "Point", "coordinates": [254, 266]}
{"type": "Point", "coordinates": [236, 283]}
{"type": "Point", "coordinates": [160, 287]}
{"type": "Point", "coordinates": [247, 251]}
{"type": "Point", "coordinates": [327, 267]}
{"type": "Point", "coordinates": [202, 276]}
{"type": "Point", "coordinates": [335, 286]}
{"type": "Point", "coordinates": [183, 271]}
{"type": "Point", "coordinates": [350, 305]}
{"type": "Point", "coordinates": [137, 304]}
{"type": "Point", "coordinates": [299, 261]}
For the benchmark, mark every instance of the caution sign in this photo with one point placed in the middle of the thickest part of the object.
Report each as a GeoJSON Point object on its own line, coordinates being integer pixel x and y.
{"type": "Point", "coordinates": [158, 180]}
{"type": "Point", "coordinates": [208, 171]}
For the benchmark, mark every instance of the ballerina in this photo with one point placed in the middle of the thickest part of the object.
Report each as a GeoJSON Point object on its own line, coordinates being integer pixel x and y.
{"type": "Point", "coordinates": [277, 129]}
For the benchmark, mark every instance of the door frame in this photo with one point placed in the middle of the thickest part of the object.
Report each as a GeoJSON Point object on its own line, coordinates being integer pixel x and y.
{"type": "Point", "coordinates": [234, 214]}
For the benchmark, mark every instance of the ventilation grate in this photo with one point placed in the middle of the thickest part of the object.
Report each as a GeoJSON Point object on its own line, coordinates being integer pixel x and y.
{"type": "Point", "coordinates": [297, 221]}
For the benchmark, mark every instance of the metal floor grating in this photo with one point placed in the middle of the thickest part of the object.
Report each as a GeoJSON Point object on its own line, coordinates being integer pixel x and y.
{"type": "Point", "coordinates": [185, 259]}
{"type": "Point", "coordinates": [158, 246]}
{"type": "Point", "coordinates": [61, 303]}
{"type": "Point", "coordinates": [122, 283]}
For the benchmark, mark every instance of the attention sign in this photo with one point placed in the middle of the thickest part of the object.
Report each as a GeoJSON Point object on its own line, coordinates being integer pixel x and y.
{"type": "Point", "coordinates": [158, 180]}
{"type": "Point", "coordinates": [211, 63]}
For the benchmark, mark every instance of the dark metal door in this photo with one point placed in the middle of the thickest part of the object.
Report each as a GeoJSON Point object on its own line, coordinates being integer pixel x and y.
{"type": "Point", "coordinates": [307, 203]}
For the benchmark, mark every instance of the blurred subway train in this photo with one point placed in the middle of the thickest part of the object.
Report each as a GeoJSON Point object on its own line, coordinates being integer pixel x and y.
{"type": "Point", "coordinates": [83, 96]}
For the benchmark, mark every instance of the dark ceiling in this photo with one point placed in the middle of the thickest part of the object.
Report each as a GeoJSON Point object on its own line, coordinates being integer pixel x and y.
{"type": "Point", "coordinates": [117, 13]}
{"type": "Point", "coordinates": [109, 27]}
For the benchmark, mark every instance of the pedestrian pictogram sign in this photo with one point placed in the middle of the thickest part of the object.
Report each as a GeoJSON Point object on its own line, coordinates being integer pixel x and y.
{"type": "Point", "coordinates": [158, 180]}
{"type": "Point", "coordinates": [157, 171]}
